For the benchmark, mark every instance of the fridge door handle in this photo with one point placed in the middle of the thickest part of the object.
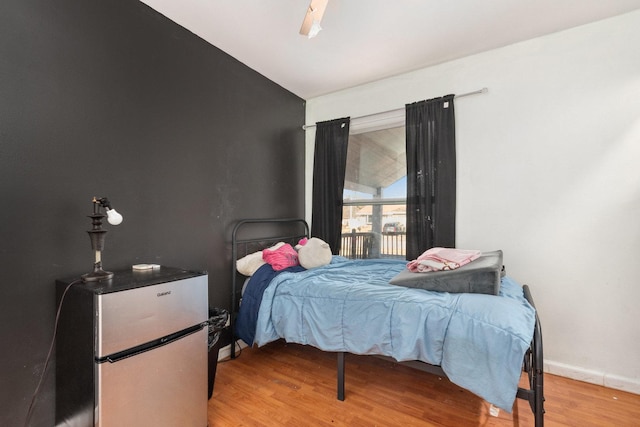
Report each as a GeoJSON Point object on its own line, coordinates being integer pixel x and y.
{"type": "Point", "coordinates": [133, 351]}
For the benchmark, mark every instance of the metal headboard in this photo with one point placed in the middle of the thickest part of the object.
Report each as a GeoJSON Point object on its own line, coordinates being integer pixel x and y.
{"type": "Point", "coordinates": [252, 235]}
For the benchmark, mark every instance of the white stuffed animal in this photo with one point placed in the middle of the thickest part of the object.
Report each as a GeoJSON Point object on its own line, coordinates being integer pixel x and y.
{"type": "Point", "coordinates": [314, 253]}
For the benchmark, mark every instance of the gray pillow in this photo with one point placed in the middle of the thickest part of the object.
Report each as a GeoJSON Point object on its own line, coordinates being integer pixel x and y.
{"type": "Point", "coordinates": [480, 276]}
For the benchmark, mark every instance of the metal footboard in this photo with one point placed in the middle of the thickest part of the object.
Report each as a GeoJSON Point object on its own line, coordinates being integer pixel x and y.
{"type": "Point", "coordinates": [534, 367]}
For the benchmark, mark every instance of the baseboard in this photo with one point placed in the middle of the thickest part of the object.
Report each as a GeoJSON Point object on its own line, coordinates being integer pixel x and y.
{"type": "Point", "coordinates": [226, 350]}
{"type": "Point", "coordinates": [616, 382]}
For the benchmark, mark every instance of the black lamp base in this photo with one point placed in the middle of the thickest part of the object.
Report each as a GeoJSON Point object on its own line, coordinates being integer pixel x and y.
{"type": "Point", "coordinates": [97, 274]}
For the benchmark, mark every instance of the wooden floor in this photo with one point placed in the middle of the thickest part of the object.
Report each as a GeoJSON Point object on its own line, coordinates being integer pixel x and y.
{"type": "Point", "coordinates": [294, 385]}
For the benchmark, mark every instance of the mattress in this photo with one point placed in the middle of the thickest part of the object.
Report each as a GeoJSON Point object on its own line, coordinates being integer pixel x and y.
{"type": "Point", "coordinates": [481, 276]}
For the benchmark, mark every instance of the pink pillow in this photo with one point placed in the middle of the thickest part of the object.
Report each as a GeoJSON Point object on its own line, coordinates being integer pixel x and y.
{"type": "Point", "coordinates": [283, 257]}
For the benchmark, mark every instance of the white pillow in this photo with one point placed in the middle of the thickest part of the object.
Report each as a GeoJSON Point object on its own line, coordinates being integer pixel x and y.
{"type": "Point", "coordinates": [249, 264]}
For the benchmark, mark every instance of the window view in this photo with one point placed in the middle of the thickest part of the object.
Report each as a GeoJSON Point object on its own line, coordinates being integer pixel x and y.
{"type": "Point", "coordinates": [375, 188]}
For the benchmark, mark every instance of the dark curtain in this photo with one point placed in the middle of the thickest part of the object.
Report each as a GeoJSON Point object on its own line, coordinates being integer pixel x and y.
{"type": "Point", "coordinates": [431, 175]}
{"type": "Point", "coordinates": [329, 164]}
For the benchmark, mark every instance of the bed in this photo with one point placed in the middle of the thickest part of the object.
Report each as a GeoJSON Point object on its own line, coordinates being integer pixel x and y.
{"type": "Point", "coordinates": [349, 306]}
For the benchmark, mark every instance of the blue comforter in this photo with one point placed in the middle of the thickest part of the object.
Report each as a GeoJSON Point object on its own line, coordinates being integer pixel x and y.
{"type": "Point", "coordinates": [479, 340]}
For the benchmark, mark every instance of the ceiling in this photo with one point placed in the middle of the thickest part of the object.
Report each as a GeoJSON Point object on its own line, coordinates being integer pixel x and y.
{"type": "Point", "coordinates": [367, 40]}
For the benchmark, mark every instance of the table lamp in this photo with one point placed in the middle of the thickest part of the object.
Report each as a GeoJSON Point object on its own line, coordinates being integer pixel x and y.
{"type": "Point", "coordinates": [97, 235]}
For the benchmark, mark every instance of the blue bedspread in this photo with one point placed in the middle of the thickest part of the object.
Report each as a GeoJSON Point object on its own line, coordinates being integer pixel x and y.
{"type": "Point", "coordinates": [479, 340]}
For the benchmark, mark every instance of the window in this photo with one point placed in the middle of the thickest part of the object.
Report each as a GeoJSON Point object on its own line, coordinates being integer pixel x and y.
{"type": "Point", "coordinates": [375, 188]}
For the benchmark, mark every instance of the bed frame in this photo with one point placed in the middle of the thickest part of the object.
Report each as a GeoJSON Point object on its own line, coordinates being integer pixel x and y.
{"type": "Point", "coordinates": [251, 235]}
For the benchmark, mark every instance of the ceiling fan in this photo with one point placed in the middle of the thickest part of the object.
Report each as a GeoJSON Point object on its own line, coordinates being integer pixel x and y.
{"type": "Point", "coordinates": [311, 23]}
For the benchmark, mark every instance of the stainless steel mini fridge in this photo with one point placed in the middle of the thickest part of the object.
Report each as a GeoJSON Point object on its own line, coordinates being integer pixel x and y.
{"type": "Point", "coordinates": [132, 351]}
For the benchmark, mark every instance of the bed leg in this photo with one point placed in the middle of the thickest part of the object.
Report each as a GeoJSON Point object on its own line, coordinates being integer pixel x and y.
{"type": "Point", "coordinates": [341, 375]}
{"type": "Point", "coordinates": [538, 390]}
{"type": "Point", "coordinates": [539, 412]}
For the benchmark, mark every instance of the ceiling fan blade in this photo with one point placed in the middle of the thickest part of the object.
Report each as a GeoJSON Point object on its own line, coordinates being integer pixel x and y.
{"type": "Point", "coordinates": [311, 23]}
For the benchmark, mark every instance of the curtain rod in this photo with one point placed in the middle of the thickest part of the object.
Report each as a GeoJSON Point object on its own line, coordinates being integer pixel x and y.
{"type": "Point", "coordinates": [402, 110]}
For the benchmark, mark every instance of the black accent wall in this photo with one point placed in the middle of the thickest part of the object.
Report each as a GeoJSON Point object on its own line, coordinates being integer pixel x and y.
{"type": "Point", "coordinates": [111, 99]}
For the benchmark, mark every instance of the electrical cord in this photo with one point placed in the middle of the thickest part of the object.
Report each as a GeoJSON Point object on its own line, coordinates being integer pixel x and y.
{"type": "Point", "coordinates": [238, 352]}
{"type": "Point", "coordinates": [48, 359]}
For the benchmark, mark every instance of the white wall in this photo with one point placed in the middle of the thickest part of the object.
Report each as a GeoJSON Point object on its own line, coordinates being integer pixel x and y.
{"type": "Point", "coordinates": [549, 172]}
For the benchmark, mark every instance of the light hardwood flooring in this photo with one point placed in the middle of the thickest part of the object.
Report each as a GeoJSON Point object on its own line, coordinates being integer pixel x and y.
{"type": "Point", "coordinates": [293, 385]}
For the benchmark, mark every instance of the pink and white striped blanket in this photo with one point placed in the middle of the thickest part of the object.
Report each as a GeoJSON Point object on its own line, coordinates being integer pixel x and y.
{"type": "Point", "coordinates": [440, 259]}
